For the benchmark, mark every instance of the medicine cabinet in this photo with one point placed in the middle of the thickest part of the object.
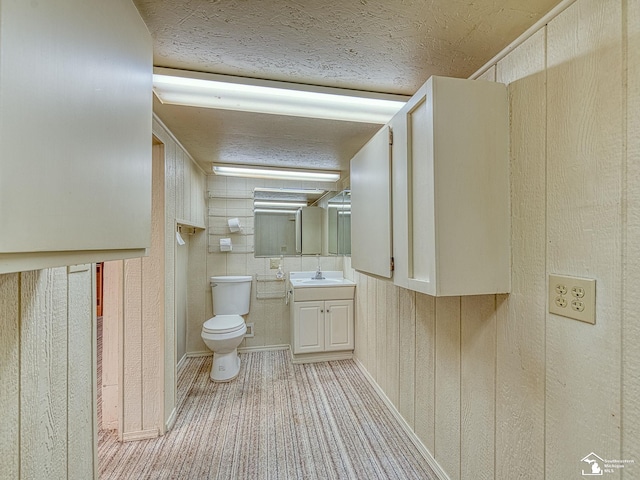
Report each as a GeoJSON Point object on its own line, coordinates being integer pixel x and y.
{"type": "Point", "coordinates": [339, 224]}
{"type": "Point", "coordinates": [309, 230]}
{"type": "Point", "coordinates": [287, 222]}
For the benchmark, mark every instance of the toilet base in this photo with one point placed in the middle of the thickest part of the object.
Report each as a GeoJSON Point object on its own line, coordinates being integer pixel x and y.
{"type": "Point", "coordinates": [225, 366]}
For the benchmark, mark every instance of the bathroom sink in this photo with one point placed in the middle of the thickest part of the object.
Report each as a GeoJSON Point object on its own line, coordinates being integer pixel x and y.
{"type": "Point", "coordinates": [333, 286]}
{"type": "Point", "coordinates": [322, 281]}
{"type": "Point", "coordinates": [305, 279]}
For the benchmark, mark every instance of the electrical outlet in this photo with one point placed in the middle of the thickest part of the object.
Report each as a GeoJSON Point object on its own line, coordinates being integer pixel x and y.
{"type": "Point", "coordinates": [274, 263]}
{"type": "Point", "coordinates": [573, 297]}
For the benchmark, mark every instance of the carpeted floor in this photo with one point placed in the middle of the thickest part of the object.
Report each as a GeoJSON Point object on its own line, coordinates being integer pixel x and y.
{"type": "Point", "coordinates": [275, 421]}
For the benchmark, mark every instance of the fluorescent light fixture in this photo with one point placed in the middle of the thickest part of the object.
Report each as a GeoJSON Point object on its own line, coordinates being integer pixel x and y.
{"type": "Point", "coordinates": [179, 87]}
{"type": "Point", "coordinates": [297, 191]}
{"type": "Point", "coordinates": [273, 203]}
{"type": "Point", "coordinates": [273, 210]}
{"type": "Point", "coordinates": [276, 173]}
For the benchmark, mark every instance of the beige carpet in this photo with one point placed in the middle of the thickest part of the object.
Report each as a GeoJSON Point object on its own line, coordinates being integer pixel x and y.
{"type": "Point", "coordinates": [275, 421]}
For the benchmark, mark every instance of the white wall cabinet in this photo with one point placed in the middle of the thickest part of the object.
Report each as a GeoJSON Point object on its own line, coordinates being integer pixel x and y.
{"type": "Point", "coordinates": [451, 202]}
{"type": "Point", "coordinates": [75, 133]}
{"type": "Point", "coordinates": [370, 179]}
{"type": "Point", "coordinates": [322, 326]}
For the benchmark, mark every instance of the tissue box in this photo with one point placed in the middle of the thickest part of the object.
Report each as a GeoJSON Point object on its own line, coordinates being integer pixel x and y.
{"type": "Point", "coordinates": [225, 245]}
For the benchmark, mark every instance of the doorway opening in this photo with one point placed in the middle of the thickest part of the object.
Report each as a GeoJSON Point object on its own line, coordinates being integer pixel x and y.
{"type": "Point", "coordinates": [131, 350]}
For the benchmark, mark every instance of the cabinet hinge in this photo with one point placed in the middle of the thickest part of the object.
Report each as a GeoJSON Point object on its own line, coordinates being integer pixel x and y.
{"type": "Point", "coordinates": [392, 265]}
{"type": "Point", "coordinates": [390, 136]}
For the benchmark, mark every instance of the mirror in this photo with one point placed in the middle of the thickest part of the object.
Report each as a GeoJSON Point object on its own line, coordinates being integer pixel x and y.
{"type": "Point", "coordinates": [339, 224]}
{"type": "Point", "coordinates": [275, 234]}
{"type": "Point", "coordinates": [279, 221]}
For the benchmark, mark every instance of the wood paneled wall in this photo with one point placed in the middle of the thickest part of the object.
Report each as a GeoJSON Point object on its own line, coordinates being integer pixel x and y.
{"type": "Point", "coordinates": [185, 203]}
{"type": "Point", "coordinates": [47, 366]}
{"type": "Point", "coordinates": [631, 244]}
{"type": "Point", "coordinates": [141, 298]}
{"type": "Point", "coordinates": [494, 386]}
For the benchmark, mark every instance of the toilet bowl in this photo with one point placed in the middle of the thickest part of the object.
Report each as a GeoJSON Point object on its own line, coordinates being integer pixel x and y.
{"type": "Point", "coordinates": [222, 334]}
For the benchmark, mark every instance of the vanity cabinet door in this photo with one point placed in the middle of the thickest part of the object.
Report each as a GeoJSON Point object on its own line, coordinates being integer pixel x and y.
{"type": "Point", "coordinates": [338, 325]}
{"type": "Point", "coordinates": [309, 327]}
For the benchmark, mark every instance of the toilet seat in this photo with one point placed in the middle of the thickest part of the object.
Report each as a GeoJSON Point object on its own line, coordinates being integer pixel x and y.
{"type": "Point", "coordinates": [223, 324]}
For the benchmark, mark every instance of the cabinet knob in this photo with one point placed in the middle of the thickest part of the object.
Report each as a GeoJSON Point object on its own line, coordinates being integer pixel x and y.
{"type": "Point", "coordinates": [321, 311]}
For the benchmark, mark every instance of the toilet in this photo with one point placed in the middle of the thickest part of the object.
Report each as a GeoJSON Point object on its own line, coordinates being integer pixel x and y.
{"type": "Point", "coordinates": [225, 330]}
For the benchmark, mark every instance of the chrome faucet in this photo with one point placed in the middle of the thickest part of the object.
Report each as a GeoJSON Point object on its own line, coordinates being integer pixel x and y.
{"type": "Point", "coordinates": [318, 275]}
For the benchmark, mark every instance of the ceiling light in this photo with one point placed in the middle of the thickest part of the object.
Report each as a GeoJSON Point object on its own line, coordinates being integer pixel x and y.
{"type": "Point", "coordinates": [178, 87]}
{"type": "Point", "coordinates": [276, 173]}
{"type": "Point", "coordinates": [299, 191]}
{"type": "Point", "coordinates": [274, 210]}
{"type": "Point", "coordinates": [272, 203]}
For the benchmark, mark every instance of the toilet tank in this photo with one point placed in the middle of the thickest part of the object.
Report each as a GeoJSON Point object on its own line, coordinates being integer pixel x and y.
{"type": "Point", "coordinates": [231, 294]}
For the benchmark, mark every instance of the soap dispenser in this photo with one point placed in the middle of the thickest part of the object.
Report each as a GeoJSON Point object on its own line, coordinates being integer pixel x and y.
{"type": "Point", "coordinates": [280, 272]}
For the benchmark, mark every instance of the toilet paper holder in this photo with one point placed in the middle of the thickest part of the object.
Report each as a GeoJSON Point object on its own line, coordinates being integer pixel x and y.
{"type": "Point", "coordinates": [234, 224]}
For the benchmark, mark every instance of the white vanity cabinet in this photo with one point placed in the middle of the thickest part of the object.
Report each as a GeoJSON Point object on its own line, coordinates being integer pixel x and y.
{"type": "Point", "coordinates": [323, 326]}
{"type": "Point", "coordinates": [450, 189]}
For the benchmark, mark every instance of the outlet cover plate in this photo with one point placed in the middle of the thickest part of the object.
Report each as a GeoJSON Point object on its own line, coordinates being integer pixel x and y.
{"type": "Point", "coordinates": [274, 263]}
{"type": "Point", "coordinates": [573, 297]}
{"type": "Point", "coordinates": [249, 333]}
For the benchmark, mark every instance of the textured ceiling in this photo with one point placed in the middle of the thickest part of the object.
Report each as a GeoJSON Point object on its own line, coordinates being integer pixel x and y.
{"type": "Point", "coordinates": [390, 46]}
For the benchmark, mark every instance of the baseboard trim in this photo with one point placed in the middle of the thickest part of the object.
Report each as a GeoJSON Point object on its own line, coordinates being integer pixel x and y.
{"type": "Point", "coordinates": [141, 435]}
{"type": "Point", "coordinates": [172, 418]}
{"type": "Point", "coordinates": [426, 454]}
{"type": "Point", "coordinates": [266, 348]}
{"type": "Point", "coordinates": [320, 357]}
{"type": "Point", "coordinates": [208, 353]}
{"type": "Point", "coordinates": [181, 362]}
